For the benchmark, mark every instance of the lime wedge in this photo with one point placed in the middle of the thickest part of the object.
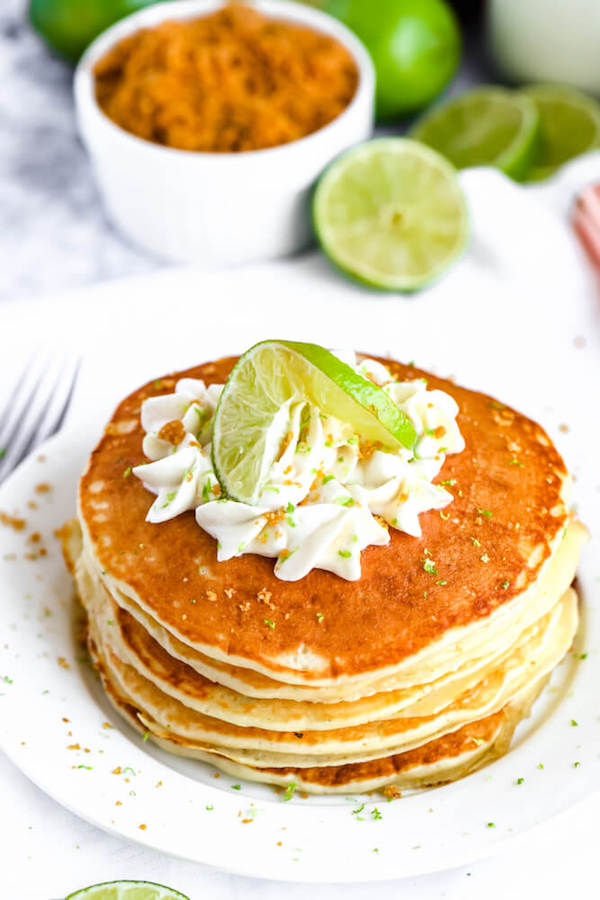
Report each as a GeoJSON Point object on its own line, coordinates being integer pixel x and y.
{"type": "Point", "coordinates": [127, 890]}
{"type": "Point", "coordinates": [569, 126]}
{"type": "Point", "coordinates": [246, 439]}
{"type": "Point", "coordinates": [391, 213]}
{"type": "Point", "coordinates": [485, 127]}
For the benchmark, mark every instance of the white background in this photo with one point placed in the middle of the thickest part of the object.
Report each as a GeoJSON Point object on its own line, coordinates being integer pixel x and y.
{"type": "Point", "coordinates": [53, 233]}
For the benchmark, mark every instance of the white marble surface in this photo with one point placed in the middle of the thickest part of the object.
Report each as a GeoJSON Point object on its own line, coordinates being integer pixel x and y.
{"type": "Point", "coordinates": [54, 233]}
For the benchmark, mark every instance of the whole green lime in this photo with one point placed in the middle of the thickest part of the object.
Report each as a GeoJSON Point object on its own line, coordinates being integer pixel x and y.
{"type": "Point", "coordinates": [415, 47]}
{"type": "Point", "coordinates": [68, 26]}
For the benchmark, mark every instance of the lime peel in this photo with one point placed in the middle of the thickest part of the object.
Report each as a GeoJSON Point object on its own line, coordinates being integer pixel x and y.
{"type": "Point", "coordinates": [264, 382]}
{"type": "Point", "coordinates": [488, 126]}
{"type": "Point", "coordinates": [127, 890]}
{"type": "Point", "coordinates": [569, 126]}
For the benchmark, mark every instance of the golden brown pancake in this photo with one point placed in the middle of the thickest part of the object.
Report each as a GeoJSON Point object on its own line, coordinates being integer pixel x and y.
{"type": "Point", "coordinates": [406, 678]}
{"type": "Point", "coordinates": [436, 762]}
{"type": "Point", "coordinates": [508, 506]}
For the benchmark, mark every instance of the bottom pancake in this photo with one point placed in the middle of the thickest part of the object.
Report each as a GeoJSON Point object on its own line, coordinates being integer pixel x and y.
{"type": "Point", "coordinates": [479, 733]}
{"type": "Point", "coordinates": [437, 762]}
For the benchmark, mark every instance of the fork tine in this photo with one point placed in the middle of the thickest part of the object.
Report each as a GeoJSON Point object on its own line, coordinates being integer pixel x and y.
{"type": "Point", "coordinates": [60, 403]}
{"type": "Point", "coordinates": [10, 413]}
{"type": "Point", "coordinates": [21, 404]}
{"type": "Point", "coordinates": [41, 413]}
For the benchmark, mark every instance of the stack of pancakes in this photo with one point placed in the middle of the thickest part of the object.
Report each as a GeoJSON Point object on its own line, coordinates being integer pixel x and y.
{"type": "Point", "coordinates": [413, 675]}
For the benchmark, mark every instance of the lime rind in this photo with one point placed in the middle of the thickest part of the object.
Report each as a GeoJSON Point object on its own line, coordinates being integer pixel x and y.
{"type": "Point", "coordinates": [487, 126]}
{"type": "Point", "coordinates": [569, 126]}
{"type": "Point", "coordinates": [266, 380]}
{"type": "Point", "coordinates": [127, 890]}
{"type": "Point", "coordinates": [360, 193]}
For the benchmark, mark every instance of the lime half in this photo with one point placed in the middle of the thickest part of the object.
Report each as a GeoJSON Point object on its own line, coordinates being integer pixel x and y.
{"type": "Point", "coordinates": [127, 890]}
{"type": "Point", "coordinates": [569, 126]}
{"type": "Point", "coordinates": [391, 213]}
{"type": "Point", "coordinates": [485, 127]}
{"type": "Point", "coordinates": [246, 437]}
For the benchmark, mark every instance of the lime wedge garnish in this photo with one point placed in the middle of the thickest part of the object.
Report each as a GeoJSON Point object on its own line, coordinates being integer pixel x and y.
{"type": "Point", "coordinates": [485, 127]}
{"type": "Point", "coordinates": [246, 439]}
{"type": "Point", "coordinates": [569, 126]}
{"type": "Point", "coordinates": [391, 213]}
{"type": "Point", "coordinates": [127, 890]}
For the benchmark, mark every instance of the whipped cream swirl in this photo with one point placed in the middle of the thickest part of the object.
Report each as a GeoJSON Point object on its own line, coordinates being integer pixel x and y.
{"type": "Point", "coordinates": [327, 496]}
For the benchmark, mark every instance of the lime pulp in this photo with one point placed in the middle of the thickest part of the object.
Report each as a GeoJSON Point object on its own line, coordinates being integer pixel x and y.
{"type": "Point", "coordinates": [391, 213]}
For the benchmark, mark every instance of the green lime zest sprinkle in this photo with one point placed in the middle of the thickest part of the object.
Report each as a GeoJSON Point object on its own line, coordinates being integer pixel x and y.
{"type": "Point", "coordinates": [2, 452]}
{"type": "Point", "coordinates": [89, 768]}
{"type": "Point", "coordinates": [515, 462]}
{"type": "Point", "coordinates": [441, 582]}
{"type": "Point", "coordinates": [429, 566]}
{"type": "Point", "coordinates": [127, 472]}
{"type": "Point", "coordinates": [448, 481]}
{"type": "Point", "coordinates": [574, 723]}
{"type": "Point", "coordinates": [580, 656]}
{"type": "Point", "coordinates": [520, 780]}
{"type": "Point", "coordinates": [270, 623]}
{"type": "Point", "coordinates": [485, 558]}
{"type": "Point", "coordinates": [375, 814]}
{"type": "Point", "coordinates": [444, 516]}
{"type": "Point", "coordinates": [290, 507]}
{"type": "Point", "coordinates": [576, 765]}
{"type": "Point", "coordinates": [289, 791]}
{"type": "Point", "coordinates": [236, 787]}
{"type": "Point", "coordinates": [540, 765]}
{"type": "Point", "coordinates": [344, 553]}
{"type": "Point", "coordinates": [209, 807]}
{"type": "Point", "coordinates": [506, 584]}
{"type": "Point", "coordinates": [491, 824]}
{"type": "Point", "coordinates": [145, 736]}
{"type": "Point", "coordinates": [320, 617]}
{"type": "Point", "coordinates": [485, 512]}
{"type": "Point", "coordinates": [476, 543]}
{"type": "Point", "coordinates": [327, 478]}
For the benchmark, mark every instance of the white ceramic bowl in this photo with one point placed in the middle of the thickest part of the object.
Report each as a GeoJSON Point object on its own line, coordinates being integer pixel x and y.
{"type": "Point", "coordinates": [216, 208]}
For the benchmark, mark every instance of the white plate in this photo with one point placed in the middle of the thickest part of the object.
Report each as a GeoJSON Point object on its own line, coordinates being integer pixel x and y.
{"type": "Point", "coordinates": [50, 700]}
{"type": "Point", "coordinates": [510, 320]}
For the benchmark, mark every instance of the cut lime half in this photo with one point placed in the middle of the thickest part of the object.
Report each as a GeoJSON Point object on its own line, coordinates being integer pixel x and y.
{"type": "Point", "coordinates": [391, 213]}
{"type": "Point", "coordinates": [269, 376]}
{"type": "Point", "coordinates": [569, 126]}
{"type": "Point", "coordinates": [485, 127]}
{"type": "Point", "coordinates": [127, 890]}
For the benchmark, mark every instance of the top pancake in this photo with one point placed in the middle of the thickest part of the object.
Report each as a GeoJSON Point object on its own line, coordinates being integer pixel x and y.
{"type": "Point", "coordinates": [502, 527]}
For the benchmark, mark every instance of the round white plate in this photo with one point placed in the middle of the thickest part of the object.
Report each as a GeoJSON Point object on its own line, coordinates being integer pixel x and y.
{"type": "Point", "coordinates": [57, 727]}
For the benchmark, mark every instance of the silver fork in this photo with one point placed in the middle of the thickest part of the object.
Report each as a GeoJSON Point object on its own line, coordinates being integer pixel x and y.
{"type": "Point", "coordinates": [36, 408]}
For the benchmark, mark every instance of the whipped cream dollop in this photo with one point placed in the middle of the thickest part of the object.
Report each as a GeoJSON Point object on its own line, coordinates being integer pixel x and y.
{"type": "Point", "coordinates": [327, 496]}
